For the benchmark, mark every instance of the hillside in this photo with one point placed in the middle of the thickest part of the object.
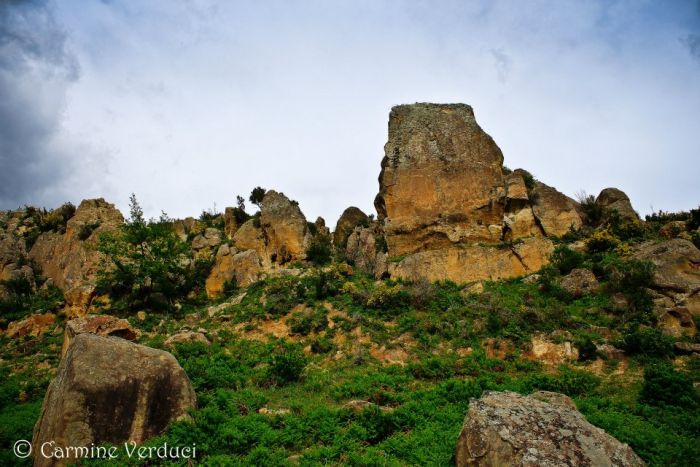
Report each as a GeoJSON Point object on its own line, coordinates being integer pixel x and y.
{"type": "Point", "coordinates": [366, 345]}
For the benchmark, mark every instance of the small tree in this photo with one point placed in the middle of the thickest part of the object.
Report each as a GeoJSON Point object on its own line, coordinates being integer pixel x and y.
{"type": "Point", "coordinates": [257, 195]}
{"type": "Point", "coordinates": [145, 262]}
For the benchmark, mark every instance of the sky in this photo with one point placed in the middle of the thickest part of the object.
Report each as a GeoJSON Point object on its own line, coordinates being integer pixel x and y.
{"type": "Point", "coordinates": [190, 103]}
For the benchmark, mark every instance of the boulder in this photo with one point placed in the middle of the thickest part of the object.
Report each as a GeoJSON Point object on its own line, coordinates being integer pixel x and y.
{"type": "Point", "coordinates": [70, 260]}
{"type": "Point", "coordinates": [284, 227]}
{"type": "Point", "coordinates": [612, 199]}
{"type": "Point", "coordinates": [99, 325]}
{"type": "Point", "coordinates": [580, 282]}
{"type": "Point", "coordinates": [555, 212]}
{"type": "Point", "coordinates": [34, 325]}
{"type": "Point", "coordinates": [250, 237]}
{"type": "Point", "coordinates": [676, 273]}
{"type": "Point", "coordinates": [350, 218]}
{"type": "Point", "coordinates": [244, 267]}
{"type": "Point", "coordinates": [109, 391]}
{"type": "Point", "coordinates": [321, 228]}
{"type": "Point", "coordinates": [543, 429]}
{"type": "Point", "coordinates": [186, 337]}
{"type": "Point", "coordinates": [364, 248]}
{"type": "Point", "coordinates": [441, 180]}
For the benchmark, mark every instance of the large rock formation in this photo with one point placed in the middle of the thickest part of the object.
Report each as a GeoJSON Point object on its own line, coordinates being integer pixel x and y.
{"type": "Point", "coordinates": [109, 390]}
{"type": "Point", "coordinates": [243, 268]}
{"type": "Point", "coordinates": [13, 254]}
{"type": "Point", "coordinates": [70, 259]}
{"type": "Point", "coordinates": [543, 429]}
{"type": "Point", "coordinates": [448, 211]}
{"type": "Point", "coordinates": [284, 228]}
{"type": "Point", "coordinates": [349, 219]}
{"type": "Point", "coordinates": [676, 283]}
{"type": "Point", "coordinates": [612, 199]}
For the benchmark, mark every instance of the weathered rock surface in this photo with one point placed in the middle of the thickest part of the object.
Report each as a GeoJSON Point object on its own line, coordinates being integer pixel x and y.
{"type": "Point", "coordinates": [109, 390]}
{"type": "Point", "coordinates": [555, 212]}
{"type": "Point", "coordinates": [244, 267]}
{"type": "Point", "coordinates": [186, 337]}
{"type": "Point", "coordinates": [580, 282]}
{"type": "Point", "coordinates": [441, 180]}
{"type": "Point", "coordinates": [284, 227]}
{"type": "Point", "coordinates": [447, 209]}
{"type": "Point", "coordinates": [350, 218]}
{"type": "Point", "coordinates": [676, 274]}
{"type": "Point", "coordinates": [467, 263]}
{"type": "Point", "coordinates": [612, 199]}
{"type": "Point", "coordinates": [543, 429]}
{"type": "Point", "coordinates": [363, 247]}
{"type": "Point", "coordinates": [71, 263]}
{"type": "Point", "coordinates": [34, 325]}
{"type": "Point", "coordinates": [100, 325]}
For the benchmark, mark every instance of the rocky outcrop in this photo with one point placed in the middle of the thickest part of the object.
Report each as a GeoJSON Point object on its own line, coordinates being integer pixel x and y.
{"type": "Point", "coordinates": [70, 259]}
{"type": "Point", "coordinates": [243, 268]}
{"type": "Point", "coordinates": [676, 277]}
{"type": "Point", "coordinates": [543, 429]}
{"type": "Point", "coordinates": [350, 218]}
{"type": "Point", "coordinates": [580, 282]}
{"type": "Point", "coordinates": [99, 325]}
{"type": "Point", "coordinates": [109, 390]}
{"type": "Point", "coordinates": [441, 180]}
{"type": "Point", "coordinates": [284, 228]}
{"type": "Point", "coordinates": [612, 199]}
{"type": "Point", "coordinates": [555, 212]}
{"type": "Point", "coordinates": [474, 262]}
{"type": "Point", "coordinates": [366, 250]}
{"type": "Point", "coordinates": [447, 209]}
{"type": "Point", "coordinates": [186, 337]}
{"type": "Point", "coordinates": [34, 325]}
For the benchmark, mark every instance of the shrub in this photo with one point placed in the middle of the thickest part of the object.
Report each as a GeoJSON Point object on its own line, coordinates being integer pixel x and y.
{"type": "Point", "coordinates": [86, 230]}
{"type": "Point", "coordinates": [320, 250]}
{"type": "Point", "coordinates": [565, 259]}
{"type": "Point", "coordinates": [308, 321]}
{"type": "Point", "coordinates": [593, 211]}
{"type": "Point", "coordinates": [257, 195]}
{"type": "Point", "coordinates": [647, 342]}
{"type": "Point", "coordinates": [664, 385]}
{"type": "Point", "coordinates": [145, 263]}
{"type": "Point", "coordinates": [286, 365]}
{"type": "Point", "coordinates": [602, 241]}
{"type": "Point", "coordinates": [587, 349]}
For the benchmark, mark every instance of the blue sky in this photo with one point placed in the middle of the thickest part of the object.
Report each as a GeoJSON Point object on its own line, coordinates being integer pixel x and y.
{"type": "Point", "coordinates": [188, 103]}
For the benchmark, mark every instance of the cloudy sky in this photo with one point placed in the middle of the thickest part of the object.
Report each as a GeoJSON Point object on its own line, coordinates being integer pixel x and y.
{"type": "Point", "coordinates": [188, 103]}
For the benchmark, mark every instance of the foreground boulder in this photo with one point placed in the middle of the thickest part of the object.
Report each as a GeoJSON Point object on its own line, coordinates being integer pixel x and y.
{"type": "Point", "coordinates": [109, 390]}
{"type": "Point", "coordinates": [543, 429]}
{"type": "Point", "coordinates": [447, 209]}
{"type": "Point", "coordinates": [100, 325]}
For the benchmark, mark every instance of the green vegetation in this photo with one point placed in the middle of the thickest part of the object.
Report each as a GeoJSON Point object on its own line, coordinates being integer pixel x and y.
{"type": "Point", "coordinates": [147, 265]}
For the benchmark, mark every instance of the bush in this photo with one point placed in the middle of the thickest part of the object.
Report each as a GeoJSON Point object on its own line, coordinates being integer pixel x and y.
{"type": "Point", "coordinates": [566, 260]}
{"type": "Point", "coordinates": [86, 230]}
{"type": "Point", "coordinates": [286, 365]}
{"type": "Point", "coordinates": [308, 321]}
{"type": "Point", "coordinates": [257, 195]}
{"type": "Point", "coordinates": [593, 211]}
{"type": "Point", "coordinates": [320, 250]}
{"type": "Point", "coordinates": [647, 342]}
{"type": "Point", "coordinates": [602, 241]}
{"type": "Point", "coordinates": [664, 385]}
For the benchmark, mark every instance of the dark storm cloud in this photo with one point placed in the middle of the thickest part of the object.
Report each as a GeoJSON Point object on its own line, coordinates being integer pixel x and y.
{"type": "Point", "coordinates": [35, 72]}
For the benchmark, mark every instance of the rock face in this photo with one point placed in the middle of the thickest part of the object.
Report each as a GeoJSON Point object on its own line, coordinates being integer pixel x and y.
{"type": "Point", "coordinates": [580, 282]}
{"type": "Point", "coordinates": [284, 227]}
{"type": "Point", "coordinates": [109, 390]}
{"type": "Point", "coordinates": [446, 207]}
{"type": "Point", "coordinates": [244, 267]}
{"type": "Point", "coordinates": [543, 429]}
{"type": "Point", "coordinates": [555, 212]}
{"type": "Point", "coordinates": [441, 180]}
{"type": "Point", "coordinates": [614, 199]}
{"type": "Point", "coordinates": [70, 260]}
{"type": "Point", "coordinates": [677, 274]}
{"type": "Point", "coordinates": [100, 325]}
{"type": "Point", "coordinates": [349, 219]}
{"type": "Point", "coordinates": [364, 248]}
